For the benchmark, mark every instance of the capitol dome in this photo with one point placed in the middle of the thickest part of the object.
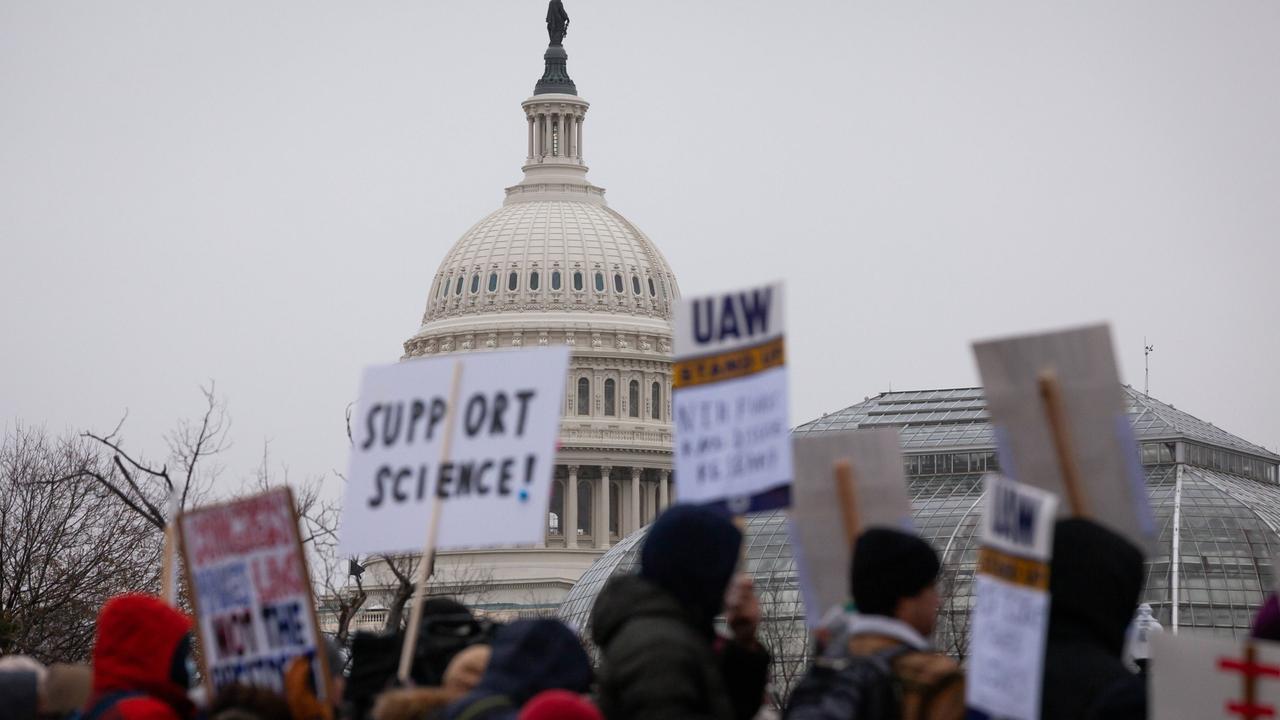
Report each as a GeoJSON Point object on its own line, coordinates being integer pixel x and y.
{"type": "Point", "coordinates": [555, 265]}
{"type": "Point", "coordinates": [565, 260]}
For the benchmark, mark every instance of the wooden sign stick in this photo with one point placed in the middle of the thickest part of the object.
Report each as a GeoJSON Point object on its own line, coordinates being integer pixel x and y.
{"type": "Point", "coordinates": [429, 548]}
{"type": "Point", "coordinates": [1051, 395]}
{"type": "Point", "coordinates": [846, 490]}
{"type": "Point", "coordinates": [168, 568]}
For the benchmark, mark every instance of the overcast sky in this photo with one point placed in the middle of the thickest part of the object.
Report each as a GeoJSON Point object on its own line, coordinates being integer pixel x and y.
{"type": "Point", "coordinates": [259, 192]}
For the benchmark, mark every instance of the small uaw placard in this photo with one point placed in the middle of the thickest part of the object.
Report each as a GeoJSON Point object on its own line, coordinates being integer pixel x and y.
{"type": "Point", "coordinates": [1011, 607]}
{"type": "Point", "coordinates": [732, 433]}
{"type": "Point", "coordinates": [475, 432]}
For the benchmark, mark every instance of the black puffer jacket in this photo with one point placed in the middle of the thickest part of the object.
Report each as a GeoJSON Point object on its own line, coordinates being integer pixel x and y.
{"type": "Point", "coordinates": [658, 663]}
{"type": "Point", "coordinates": [1094, 582]}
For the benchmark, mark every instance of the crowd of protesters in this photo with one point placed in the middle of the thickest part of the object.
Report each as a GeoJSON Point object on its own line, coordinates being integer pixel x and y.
{"type": "Point", "coordinates": [660, 654]}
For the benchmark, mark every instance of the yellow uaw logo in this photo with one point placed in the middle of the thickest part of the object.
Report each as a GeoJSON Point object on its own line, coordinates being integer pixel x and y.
{"type": "Point", "coordinates": [1013, 569]}
{"type": "Point", "coordinates": [727, 366]}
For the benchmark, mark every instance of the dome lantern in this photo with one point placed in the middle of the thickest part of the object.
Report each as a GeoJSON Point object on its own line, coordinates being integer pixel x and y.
{"type": "Point", "coordinates": [554, 115]}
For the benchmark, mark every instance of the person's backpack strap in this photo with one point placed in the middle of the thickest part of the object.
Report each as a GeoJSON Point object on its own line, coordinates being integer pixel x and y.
{"type": "Point", "coordinates": [106, 702]}
{"type": "Point", "coordinates": [931, 685]}
{"type": "Point", "coordinates": [861, 686]}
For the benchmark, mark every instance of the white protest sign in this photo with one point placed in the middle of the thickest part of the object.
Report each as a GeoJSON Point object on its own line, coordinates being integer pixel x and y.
{"type": "Point", "coordinates": [1011, 607]}
{"type": "Point", "coordinates": [823, 557]}
{"type": "Point", "coordinates": [732, 433]}
{"type": "Point", "coordinates": [251, 591]}
{"type": "Point", "coordinates": [1056, 408]}
{"type": "Point", "coordinates": [494, 484]}
{"type": "Point", "coordinates": [1202, 677]}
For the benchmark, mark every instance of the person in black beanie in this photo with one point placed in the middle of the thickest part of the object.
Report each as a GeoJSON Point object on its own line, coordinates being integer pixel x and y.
{"type": "Point", "coordinates": [1095, 578]}
{"type": "Point", "coordinates": [880, 663]}
{"type": "Point", "coordinates": [660, 654]}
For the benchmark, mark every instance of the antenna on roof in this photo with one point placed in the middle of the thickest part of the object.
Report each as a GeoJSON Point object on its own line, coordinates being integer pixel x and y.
{"type": "Point", "coordinates": [1146, 361]}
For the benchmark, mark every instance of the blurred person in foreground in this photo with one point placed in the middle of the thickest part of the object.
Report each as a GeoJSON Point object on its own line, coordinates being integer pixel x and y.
{"type": "Point", "coordinates": [418, 703]}
{"type": "Point", "coordinates": [885, 666]}
{"type": "Point", "coordinates": [660, 654]}
{"type": "Point", "coordinates": [142, 662]}
{"type": "Point", "coordinates": [448, 628]}
{"type": "Point", "coordinates": [1094, 582]}
{"type": "Point", "coordinates": [528, 657]}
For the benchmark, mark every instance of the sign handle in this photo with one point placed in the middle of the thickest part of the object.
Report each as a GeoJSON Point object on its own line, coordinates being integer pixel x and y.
{"type": "Point", "coordinates": [1051, 395]}
{"type": "Point", "coordinates": [846, 490]}
{"type": "Point", "coordinates": [429, 548]}
{"type": "Point", "coordinates": [168, 566]}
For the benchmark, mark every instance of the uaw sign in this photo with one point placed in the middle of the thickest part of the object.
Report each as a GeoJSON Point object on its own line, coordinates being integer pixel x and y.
{"type": "Point", "coordinates": [1205, 678]}
{"type": "Point", "coordinates": [732, 434]}
{"type": "Point", "coordinates": [1011, 608]}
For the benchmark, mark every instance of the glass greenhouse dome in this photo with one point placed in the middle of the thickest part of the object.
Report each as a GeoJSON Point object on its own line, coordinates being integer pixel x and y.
{"type": "Point", "coordinates": [1215, 497]}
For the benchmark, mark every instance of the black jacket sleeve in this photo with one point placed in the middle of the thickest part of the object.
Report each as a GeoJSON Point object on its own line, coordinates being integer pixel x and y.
{"type": "Point", "coordinates": [746, 673]}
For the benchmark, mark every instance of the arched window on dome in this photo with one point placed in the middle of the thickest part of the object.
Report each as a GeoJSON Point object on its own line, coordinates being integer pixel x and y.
{"type": "Point", "coordinates": [635, 285]}
{"type": "Point", "coordinates": [555, 279]}
{"type": "Point", "coordinates": [584, 396]}
{"type": "Point", "coordinates": [655, 402]}
{"type": "Point", "coordinates": [653, 291]}
{"type": "Point", "coordinates": [444, 288]}
{"type": "Point", "coordinates": [475, 283]}
{"type": "Point", "coordinates": [513, 280]}
{"type": "Point", "coordinates": [458, 290]}
{"type": "Point", "coordinates": [493, 282]}
{"type": "Point", "coordinates": [577, 280]}
{"type": "Point", "coordinates": [617, 283]}
{"type": "Point", "coordinates": [610, 397]}
{"type": "Point", "coordinates": [585, 507]}
{"type": "Point", "coordinates": [633, 399]}
{"type": "Point", "coordinates": [533, 280]}
{"type": "Point", "coordinates": [599, 281]}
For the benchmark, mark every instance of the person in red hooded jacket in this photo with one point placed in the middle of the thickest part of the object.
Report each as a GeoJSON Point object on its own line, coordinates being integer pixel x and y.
{"type": "Point", "coordinates": [141, 662]}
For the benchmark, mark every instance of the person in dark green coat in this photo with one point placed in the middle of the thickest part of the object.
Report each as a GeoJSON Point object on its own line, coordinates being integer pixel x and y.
{"type": "Point", "coordinates": [661, 657]}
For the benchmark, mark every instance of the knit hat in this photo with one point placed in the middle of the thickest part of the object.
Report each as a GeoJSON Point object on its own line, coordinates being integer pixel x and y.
{"type": "Point", "coordinates": [889, 565]}
{"type": "Point", "coordinates": [560, 705]}
{"type": "Point", "coordinates": [691, 552]}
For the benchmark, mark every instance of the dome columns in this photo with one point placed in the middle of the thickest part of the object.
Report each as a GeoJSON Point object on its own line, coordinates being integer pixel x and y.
{"type": "Point", "coordinates": [553, 162]}
{"type": "Point", "coordinates": [617, 504]}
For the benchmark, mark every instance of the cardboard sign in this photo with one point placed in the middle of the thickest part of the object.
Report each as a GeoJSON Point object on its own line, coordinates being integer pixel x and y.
{"type": "Point", "coordinates": [1011, 607]}
{"type": "Point", "coordinates": [251, 591]}
{"type": "Point", "coordinates": [732, 432]}
{"type": "Point", "coordinates": [1091, 438]}
{"type": "Point", "coordinates": [475, 432]}
{"type": "Point", "coordinates": [1202, 677]}
{"type": "Point", "coordinates": [823, 557]}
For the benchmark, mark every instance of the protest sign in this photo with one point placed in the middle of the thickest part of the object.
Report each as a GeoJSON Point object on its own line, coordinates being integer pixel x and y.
{"type": "Point", "coordinates": [732, 434]}
{"type": "Point", "coordinates": [1011, 607]}
{"type": "Point", "coordinates": [473, 434]}
{"type": "Point", "coordinates": [824, 524]}
{"type": "Point", "coordinates": [1060, 424]}
{"type": "Point", "coordinates": [251, 591]}
{"type": "Point", "coordinates": [1202, 677]}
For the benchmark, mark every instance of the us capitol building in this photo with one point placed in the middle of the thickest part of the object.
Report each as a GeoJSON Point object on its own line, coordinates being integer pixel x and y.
{"type": "Point", "coordinates": [555, 265]}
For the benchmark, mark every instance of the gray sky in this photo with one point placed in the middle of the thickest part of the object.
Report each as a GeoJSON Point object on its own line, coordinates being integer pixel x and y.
{"type": "Point", "coordinates": [259, 192]}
